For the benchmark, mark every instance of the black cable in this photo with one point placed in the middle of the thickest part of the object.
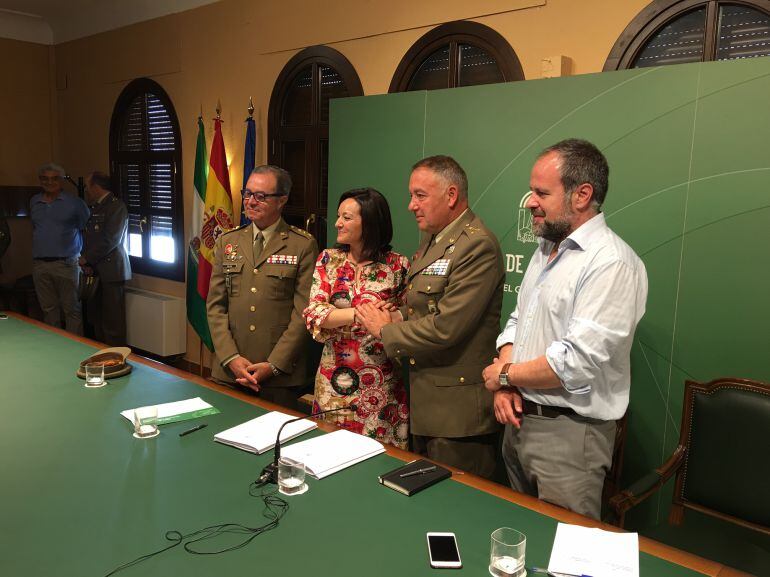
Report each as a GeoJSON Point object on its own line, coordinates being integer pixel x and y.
{"type": "Point", "coordinates": [275, 509]}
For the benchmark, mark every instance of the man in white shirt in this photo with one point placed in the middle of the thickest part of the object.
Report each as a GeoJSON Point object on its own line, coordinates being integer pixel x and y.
{"type": "Point", "coordinates": [563, 376]}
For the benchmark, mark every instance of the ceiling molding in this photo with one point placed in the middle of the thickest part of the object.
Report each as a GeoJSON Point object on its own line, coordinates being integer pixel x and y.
{"type": "Point", "coordinates": [26, 27]}
{"type": "Point", "coordinates": [54, 21]}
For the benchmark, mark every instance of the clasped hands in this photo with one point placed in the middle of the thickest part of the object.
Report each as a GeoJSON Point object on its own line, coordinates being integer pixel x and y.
{"type": "Point", "coordinates": [250, 374]}
{"type": "Point", "coordinates": [507, 401]}
{"type": "Point", "coordinates": [375, 315]}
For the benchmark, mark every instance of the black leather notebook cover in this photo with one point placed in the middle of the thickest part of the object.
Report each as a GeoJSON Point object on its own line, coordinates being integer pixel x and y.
{"type": "Point", "coordinates": [414, 483]}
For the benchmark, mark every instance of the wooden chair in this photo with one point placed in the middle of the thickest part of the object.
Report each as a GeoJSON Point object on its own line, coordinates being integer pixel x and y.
{"type": "Point", "coordinates": [722, 462]}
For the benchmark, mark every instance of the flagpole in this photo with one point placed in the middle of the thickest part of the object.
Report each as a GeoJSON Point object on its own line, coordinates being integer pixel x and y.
{"type": "Point", "coordinates": [200, 357]}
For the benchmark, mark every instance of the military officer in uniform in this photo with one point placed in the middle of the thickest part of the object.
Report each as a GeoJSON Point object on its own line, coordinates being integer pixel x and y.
{"type": "Point", "coordinates": [105, 256]}
{"type": "Point", "coordinates": [260, 284]}
{"type": "Point", "coordinates": [450, 321]}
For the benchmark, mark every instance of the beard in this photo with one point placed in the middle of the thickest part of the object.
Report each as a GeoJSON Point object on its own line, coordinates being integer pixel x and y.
{"type": "Point", "coordinates": [555, 231]}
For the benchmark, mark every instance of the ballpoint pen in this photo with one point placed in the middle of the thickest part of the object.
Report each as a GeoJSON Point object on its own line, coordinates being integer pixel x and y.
{"type": "Point", "coordinates": [188, 431]}
{"type": "Point", "coordinates": [418, 472]}
{"type": "Point", "coordinates": [542, 571]}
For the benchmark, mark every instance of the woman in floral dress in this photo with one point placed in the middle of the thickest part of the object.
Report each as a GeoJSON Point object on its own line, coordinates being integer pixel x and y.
{"type": "Point", "coordinates": [354, 368]}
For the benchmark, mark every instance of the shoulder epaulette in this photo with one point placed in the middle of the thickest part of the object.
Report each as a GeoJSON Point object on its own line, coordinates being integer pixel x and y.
{"type": "Point", "coordinates": [300, 232]}
{"type": "Point", "coordinates": [229, 230]}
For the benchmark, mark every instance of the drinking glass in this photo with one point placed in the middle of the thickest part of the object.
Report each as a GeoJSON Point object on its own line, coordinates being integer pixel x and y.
{"type": "Point", "coordinates": [507, 556]}
{"type": "Point", "coordinates": [95, 375]}
{"type": "Point", "coordinates": [291, 476]}
{"type": "Point", "coordinates": [146, 422]}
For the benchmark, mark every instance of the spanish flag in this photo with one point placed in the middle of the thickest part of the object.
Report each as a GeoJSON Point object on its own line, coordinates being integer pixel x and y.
{"type": "Point", "coordinates": [218, 208]}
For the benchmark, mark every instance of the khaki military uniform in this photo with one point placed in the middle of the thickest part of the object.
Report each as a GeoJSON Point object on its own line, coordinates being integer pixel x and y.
{"type": "Point", "coordinates": [103, 251]}
{"type": "Point", "coordinates": [452, 318]}
{"type": "Point", "coordinates": [255, 308]}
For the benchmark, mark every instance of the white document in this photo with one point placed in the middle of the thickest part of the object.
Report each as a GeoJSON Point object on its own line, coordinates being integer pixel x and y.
{"type": "Point", "coordinates": [587, 551]}
{"type": "Point", "coordinates": [333, 452]}
{"type": "Point", "coordinates": [178, 411]}
{"type": "Point", "coordinates": [258, 435]}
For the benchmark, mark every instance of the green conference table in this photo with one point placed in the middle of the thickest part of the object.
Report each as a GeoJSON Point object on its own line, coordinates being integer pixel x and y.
{"type": "Point", "coordinates": [80, 496]}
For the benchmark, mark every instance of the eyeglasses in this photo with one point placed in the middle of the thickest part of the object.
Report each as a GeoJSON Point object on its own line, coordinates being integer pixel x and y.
{"type": "Point", "coordinates": [258, 196]}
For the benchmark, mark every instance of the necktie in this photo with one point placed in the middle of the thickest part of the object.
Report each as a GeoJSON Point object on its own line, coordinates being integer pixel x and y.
{"type": "Point", "coordinates": [258, 245]}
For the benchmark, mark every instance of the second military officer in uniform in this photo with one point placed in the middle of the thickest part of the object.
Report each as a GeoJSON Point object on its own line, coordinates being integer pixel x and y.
{"type": "Point", "coordinates": [260, 284]}
{"type": "Point", "coordinates": [449, 325]}
{"type": "Point", "coordinates": [104, 256]}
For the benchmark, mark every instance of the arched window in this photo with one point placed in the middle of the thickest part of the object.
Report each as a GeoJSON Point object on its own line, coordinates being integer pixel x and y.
{"type": "Point", "coordinates": [146, 165]}
{"type": "Point", "coordinates": [457, 54]}
{"type": "Point", "coordinates": [680, 31]}
{"type": "Point", "coordinates": [298, 129]}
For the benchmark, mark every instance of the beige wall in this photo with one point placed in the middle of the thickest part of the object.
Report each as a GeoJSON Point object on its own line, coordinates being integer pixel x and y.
{"type": "Point", "coordinates": [234, 49]}
{"type": "Point", "coordinates": [26, 110]}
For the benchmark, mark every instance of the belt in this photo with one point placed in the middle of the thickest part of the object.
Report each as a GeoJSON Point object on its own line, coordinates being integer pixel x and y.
{"type": "Point", "coordinates": [51, 258]}
{"type": "Point", "coordinates": [531, 408]}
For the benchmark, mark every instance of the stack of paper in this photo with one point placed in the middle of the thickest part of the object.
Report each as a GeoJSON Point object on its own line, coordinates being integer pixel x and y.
{"type": "Point", "coordinates": [586, 551]}
{"type": "Point", "coordinates": [258, 435]}
{"type": "Point", "coordinates": [178, 411]}
{"type": "Point", "coordinates": [330, 453]}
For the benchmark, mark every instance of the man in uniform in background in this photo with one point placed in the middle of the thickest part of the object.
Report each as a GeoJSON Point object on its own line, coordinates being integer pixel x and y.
{"type": "Point", "coordinates": [57, 221]}
{"type": "Point", "coordinates": [260, 284]}
{"type": "Point", "coordinates": [450, 322]}
{"type": "Point", "coordinates": [105, 256]}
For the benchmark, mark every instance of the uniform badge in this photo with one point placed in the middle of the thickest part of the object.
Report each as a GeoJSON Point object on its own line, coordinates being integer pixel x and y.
{"type": "Point", "coordinates": [283, 259]}
{"type": "Point", "coordinates": [450, 250]}
{"type": "Point", "coordinates": [231, 251]}
{"type": "Point", "coordinates": [432, 308]}
{"type": "Point", "coordinates": [437, 268]}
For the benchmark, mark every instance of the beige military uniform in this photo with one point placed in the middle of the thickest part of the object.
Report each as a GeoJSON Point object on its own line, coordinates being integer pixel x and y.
{"type": "Point", "coordinates": [452, 317]}
{"type": "Point", "coordinates": [255, 308]}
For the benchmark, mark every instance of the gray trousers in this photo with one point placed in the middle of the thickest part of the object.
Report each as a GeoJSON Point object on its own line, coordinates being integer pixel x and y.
{"type": "Point", "coordinates": [562, 460]}
{"type": "Point", "coordinates": [56, 285]}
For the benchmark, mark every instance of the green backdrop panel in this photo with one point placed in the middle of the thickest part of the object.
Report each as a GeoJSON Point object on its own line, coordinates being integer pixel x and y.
{"type": "Point", "coordinates": [689, 180]}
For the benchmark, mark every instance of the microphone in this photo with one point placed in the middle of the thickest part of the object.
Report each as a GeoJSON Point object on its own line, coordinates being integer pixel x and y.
{"type": "Point", "coordinates": [270, 472]}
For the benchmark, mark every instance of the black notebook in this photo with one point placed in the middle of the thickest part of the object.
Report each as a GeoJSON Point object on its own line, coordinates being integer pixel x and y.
{"type": "Point", "coordinates": [415, 483]}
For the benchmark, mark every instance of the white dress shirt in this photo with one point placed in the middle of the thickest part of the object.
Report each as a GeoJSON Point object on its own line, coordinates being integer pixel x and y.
{"type": "Point", "coordinates": [581, 311]}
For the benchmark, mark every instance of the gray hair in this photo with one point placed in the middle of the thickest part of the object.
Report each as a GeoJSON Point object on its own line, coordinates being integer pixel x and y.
{"type": "Point", "coordinates": [51, 167]}
{"type": "Point", "coordinates": [582, 162]}
{"type": "Point", "coordinates": [448, 169]}
{"type": "Point", "coordinates": [282, 177]}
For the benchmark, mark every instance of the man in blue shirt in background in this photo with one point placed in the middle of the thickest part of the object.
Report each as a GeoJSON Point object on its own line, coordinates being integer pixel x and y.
{"type": "Point", "coordinates": [57, 221]}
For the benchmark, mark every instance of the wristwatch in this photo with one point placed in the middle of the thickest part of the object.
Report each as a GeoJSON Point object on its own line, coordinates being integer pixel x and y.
{"type": "Point", "coordinates": [504, 376]}
{"type": "Point", "coordinates": [276, 370]}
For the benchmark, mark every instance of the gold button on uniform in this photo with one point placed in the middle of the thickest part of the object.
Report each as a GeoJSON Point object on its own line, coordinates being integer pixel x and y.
{"type": "Point", "coordinates": [253, 289]}
{"type": "Point", "coordinates": [252, 308]}
{"type": "Point", "coordinates": [398, 351]}
{"type": "Point", "coordinates": [410, 286]}
{"type": "Point", "coordinates": [411, 311]}
{"type": "Point", "coordinates": [252, 328]}
{"type": "Point", "coordinates": [256, 270]}
{"type": "Point", "coordinates": [462, 379]}
{"type": "Point", "coordinates": [412, 361]}
{"type": "Point", "coordinates": [427, 288]}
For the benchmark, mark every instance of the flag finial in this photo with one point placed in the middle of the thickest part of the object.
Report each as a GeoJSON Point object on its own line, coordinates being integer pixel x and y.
{"type": "Point", "coordinates": [219, 110]}
{"type": "Point", "coordinates": [251, 107]}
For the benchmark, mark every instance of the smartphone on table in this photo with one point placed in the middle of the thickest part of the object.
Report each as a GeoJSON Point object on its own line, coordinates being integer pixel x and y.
{"type": "Point", "coordinates": [443, 551]}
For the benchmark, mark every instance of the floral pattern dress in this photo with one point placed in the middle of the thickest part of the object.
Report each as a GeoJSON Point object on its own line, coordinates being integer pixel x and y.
{"type": "Point", "coordinates": [354, 367]}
